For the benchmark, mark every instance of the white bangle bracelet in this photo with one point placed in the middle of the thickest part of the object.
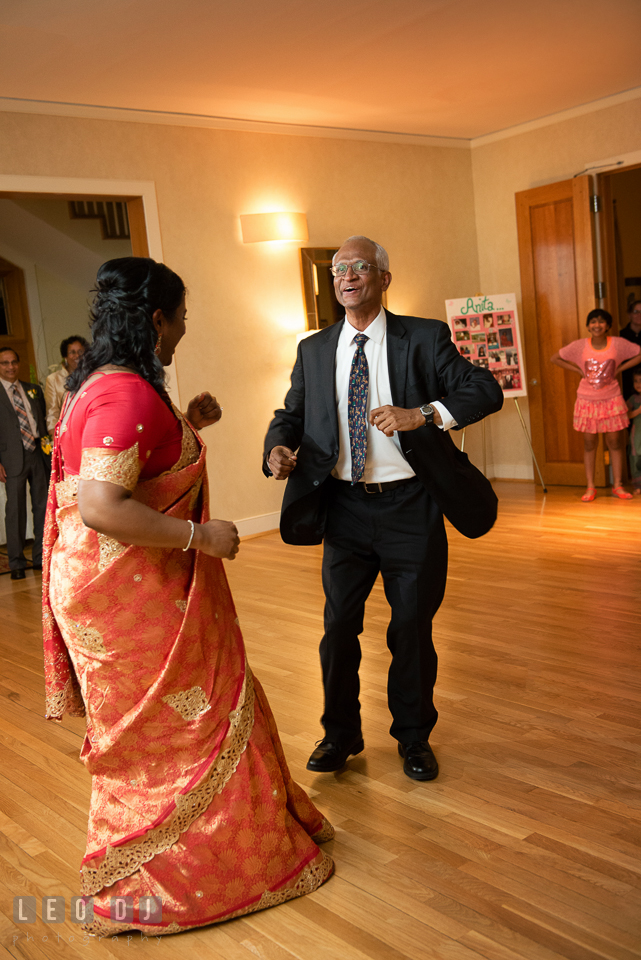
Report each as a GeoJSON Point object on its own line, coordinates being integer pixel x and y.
{"type": "Point", "coordinates": [191, 524]}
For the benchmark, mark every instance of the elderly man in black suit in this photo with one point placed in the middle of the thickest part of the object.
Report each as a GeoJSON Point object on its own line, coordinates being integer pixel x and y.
{"type": "Point", "coordinates": [22, 424]}
{"type": "Point", "coordinates": [363, 442]}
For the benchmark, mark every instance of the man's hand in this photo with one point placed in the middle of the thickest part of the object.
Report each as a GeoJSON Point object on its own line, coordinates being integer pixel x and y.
{"type": "Point", "coordinates": [217, 538]}
{"type": "Point", "coordinates": [203, 410]}
{"type": "Point", "coordinates": [3, 473]}
{"type": "Point", "coordinates": [388, 419]}
{"type": "Point", "coordinates": [281, 462]}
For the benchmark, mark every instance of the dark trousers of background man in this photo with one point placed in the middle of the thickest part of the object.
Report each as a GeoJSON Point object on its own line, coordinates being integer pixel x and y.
{"type": "Point", "coordinates": [35, 473]}
{"type": "Point", "coordinates": [400, 533]}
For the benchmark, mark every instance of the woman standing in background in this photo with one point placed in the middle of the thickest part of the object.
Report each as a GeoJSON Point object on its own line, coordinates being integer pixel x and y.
{"type": "Point", "coordinates": [71, 349]}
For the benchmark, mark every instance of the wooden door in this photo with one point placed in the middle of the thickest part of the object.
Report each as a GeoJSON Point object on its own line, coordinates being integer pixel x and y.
{"type": "Point", "coordinates": [557, 277]}
{"type": "Point", "coordinates": [16, 328]}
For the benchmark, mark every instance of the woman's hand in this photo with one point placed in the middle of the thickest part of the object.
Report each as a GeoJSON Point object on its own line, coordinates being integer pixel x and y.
{"type": "Point", "coordinates": [217, 538]}
{"type": "Point", "coordinates": [203, 410]}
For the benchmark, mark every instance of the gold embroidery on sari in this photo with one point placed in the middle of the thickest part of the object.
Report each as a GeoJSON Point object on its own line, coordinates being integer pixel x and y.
{"type": "Point", "coordinates": [190, 704]}
{"type": "Point", "coordinates": [325, 833]}
{"type": "Point", "coordinates": [85, 635]}
{"type": "Point", "coordinates": [109, 549]}
{"type": "Point", "coordinates": [101, 927]}
{"type": "Point", "coordinates": [122, 861]}
{"type": "Point", "coordinates": [67, 491]}
{"type": "Point", "coordinates": [310, 878]}
{"type": "Point", "coordinates": [90, 638]}
{"type": "Point", "coordinates": [68, 700]}
{"type": "Point", "coordinates": [189, 452]}
{"type": "Point", "coordinates": [182, 605]}
{"type": "Point", "coordinates": [122, 468]}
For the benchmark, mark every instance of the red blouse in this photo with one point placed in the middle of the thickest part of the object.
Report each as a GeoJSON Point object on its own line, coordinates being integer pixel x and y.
{"type": "Point", "coordinates": [116, 412]}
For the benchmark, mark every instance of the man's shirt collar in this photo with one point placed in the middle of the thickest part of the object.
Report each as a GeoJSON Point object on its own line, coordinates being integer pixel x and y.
{"type": "Point", "coordinates": [375, 331]}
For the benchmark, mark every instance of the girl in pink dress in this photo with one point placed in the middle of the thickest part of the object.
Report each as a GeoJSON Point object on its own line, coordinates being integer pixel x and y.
{"type": "Point", "coordinates": [599, 407]}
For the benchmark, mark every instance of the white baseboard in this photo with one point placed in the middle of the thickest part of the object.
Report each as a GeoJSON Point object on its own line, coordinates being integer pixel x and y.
{"type": "Point", "coordinates": [253, 525]}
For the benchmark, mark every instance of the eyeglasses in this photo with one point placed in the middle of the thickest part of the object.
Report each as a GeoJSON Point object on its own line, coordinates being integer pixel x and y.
{"type": "Point", "coordinates": [359, 266]}
{"type": "Point", "coordinates": [9, 363]}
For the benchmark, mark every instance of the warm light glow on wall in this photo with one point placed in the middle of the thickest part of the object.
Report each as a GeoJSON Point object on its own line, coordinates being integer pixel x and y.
{"type": "Point", "coordinates": [259, 227]}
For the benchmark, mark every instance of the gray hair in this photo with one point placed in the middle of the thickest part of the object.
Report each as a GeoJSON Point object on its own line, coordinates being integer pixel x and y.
{"type": "Point", "coordinates": [382, 259]}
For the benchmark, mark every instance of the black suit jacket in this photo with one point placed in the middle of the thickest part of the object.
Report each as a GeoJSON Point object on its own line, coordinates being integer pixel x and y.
{"type": "Point", "coordinates": [11, 448]}
{"type": "Point", "coordinates": [424, 365]}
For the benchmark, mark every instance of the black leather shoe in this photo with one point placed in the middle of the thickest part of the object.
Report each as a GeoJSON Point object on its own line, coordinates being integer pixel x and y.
{"type": "Point", "coordinates": [36, 566]}
{"type": "Point", "coordinates": [330, 755]}
{"type": "Point", "coordinates": [18, 574]}
{"type": "Point", "coordinates": [420, 762]}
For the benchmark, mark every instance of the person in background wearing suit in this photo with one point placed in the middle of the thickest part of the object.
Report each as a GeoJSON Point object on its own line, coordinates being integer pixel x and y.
{"type": "Point", "coordinates": [631, 332]}
{"type": "Point", "coordinates": [22, 424]}
{"type": "Point", "coordinates": [71, 349]}
{"type": "Point", "coordinates": [371, 402]}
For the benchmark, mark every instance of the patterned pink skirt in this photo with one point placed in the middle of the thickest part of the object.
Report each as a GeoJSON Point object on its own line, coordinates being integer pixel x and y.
{"type": "Point", "coordinates": [600, 416]}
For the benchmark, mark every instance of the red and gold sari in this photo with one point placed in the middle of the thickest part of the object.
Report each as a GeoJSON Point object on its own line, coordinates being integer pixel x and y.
{"type": "Point", "coordinates": [192, 801]}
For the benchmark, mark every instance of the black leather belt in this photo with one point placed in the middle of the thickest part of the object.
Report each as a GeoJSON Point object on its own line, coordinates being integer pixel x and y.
{"type": "Point", "coordinates": [378, 487]}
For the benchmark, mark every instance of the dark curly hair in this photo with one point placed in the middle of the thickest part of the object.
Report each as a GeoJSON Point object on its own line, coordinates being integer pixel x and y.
{"type": "Point", "coordinates": [66, 343]}
{"type": "Point", "coordinates": [127, 293]}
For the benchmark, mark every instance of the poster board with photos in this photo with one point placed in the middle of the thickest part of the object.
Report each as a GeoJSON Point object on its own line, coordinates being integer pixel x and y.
{"type": "Point", "coordinates": [485, 331]}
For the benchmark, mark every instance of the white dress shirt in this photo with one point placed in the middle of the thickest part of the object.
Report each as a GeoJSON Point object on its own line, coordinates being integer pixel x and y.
{"type": "Point", "coordinates": [25, 399]}
{"type": "Point", "coordinates": [385, 460]}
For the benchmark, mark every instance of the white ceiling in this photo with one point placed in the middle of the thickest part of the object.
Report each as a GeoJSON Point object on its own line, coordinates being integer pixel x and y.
{"type": "Point", "coordinates": [448, 68]}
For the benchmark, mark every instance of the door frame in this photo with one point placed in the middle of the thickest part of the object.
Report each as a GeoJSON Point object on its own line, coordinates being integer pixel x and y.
{"type": "Point", "coordinates": [609, 264]}
{"type": "Point", "coordinates": [144, 220]}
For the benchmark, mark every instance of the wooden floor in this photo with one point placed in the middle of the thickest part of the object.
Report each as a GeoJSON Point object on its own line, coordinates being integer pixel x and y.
{"type": "Point", "coordinates": [529, 843]}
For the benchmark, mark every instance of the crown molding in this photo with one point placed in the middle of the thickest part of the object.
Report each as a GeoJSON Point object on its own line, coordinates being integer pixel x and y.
{"type": "Point", "coordinates": [175, 118]}
{"type": "Point", "coordinates": [591, 107]}
{"type": "Point", "coordinates": [130, 115]}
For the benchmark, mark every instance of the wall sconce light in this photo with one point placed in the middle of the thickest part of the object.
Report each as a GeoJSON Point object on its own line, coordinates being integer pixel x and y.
{"type": "Point", "coordinates": [258, 227]}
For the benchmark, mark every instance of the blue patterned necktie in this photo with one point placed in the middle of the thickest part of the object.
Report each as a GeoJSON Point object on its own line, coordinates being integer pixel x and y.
{"type": "Point", "coordinates": [357, 408]}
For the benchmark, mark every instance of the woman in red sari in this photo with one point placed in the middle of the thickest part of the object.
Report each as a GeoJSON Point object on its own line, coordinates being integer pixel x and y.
{"type": "Point", "coordinates": [192, 803]}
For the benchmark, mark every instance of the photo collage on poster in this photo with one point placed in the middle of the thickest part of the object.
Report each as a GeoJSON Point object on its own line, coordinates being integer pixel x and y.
{"type": "Point", "coordinates": [490, 340]}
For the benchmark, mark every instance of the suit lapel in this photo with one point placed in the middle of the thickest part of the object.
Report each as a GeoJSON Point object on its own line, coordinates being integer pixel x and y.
{"type": "Point", "coordinates": [328, 374]}
{"type": "Point", "coordinates": [397, 353]}
{"type": "Point", "coordinates": [6, 402]}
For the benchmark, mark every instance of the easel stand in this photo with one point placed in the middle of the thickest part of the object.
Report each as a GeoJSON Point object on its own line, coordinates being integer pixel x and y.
{"type": "Point", "coordinates": [527, 437]}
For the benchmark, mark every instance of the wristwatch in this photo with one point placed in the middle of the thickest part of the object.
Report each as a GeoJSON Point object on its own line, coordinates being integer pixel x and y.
{"type": "Point", "coordinates": [428, 412]}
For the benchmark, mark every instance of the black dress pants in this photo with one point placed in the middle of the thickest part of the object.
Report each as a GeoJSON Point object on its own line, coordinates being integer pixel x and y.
{"type": "Point", "coordinates": [399, 533]}
{"type": "Point", "coordinates": [35, 472]}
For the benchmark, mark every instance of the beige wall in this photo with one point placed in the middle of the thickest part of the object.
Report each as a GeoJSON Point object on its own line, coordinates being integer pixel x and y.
{"type": "Point", "coordinates": [64, 312]}
{"type": "Point", "coordinates": [245, 304]}
{"type": "Point", "coordinates": [502, 168]}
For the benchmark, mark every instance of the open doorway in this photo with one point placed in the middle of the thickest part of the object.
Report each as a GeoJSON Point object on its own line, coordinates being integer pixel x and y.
{"type": "Point", "coordinates": [620, 191]}
{"type": "Point", "coordinates": [51, 246]}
